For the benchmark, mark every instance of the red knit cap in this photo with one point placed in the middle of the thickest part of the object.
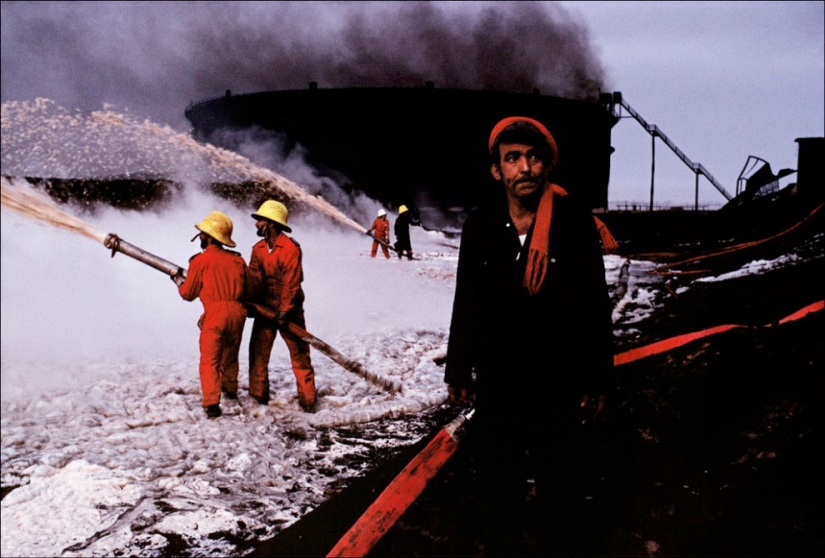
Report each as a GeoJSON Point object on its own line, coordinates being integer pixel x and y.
{"type": "Point", "coordinates": [498, 128]}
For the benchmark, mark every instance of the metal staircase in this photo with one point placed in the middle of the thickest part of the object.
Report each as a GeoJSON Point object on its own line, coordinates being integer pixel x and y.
{"type": "Point", "coordinates": [655, 132]}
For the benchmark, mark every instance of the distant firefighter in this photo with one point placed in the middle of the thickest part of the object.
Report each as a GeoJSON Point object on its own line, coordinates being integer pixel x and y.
{"type": "Point", "coordinates": [217, 276]}
{"type": "Point", "coordinates": [380, 231]}
{"type": "Point", "coordinates": [275, 277]}
{"type": "Point", "coordinates": [402, 232]}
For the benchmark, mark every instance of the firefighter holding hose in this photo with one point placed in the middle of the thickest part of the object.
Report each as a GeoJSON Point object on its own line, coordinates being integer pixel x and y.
{"type": "Point", "coordinates": [275, 277]}
{"type": "Point", "coordinates": [381, 228]}
{"type": "Point", "coordinates": [217, 276]}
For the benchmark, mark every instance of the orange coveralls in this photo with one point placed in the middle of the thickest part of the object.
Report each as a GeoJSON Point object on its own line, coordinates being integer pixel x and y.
{"type": "Point", "coordinates": [218, 277]}
{"type": "Point", "coordinates": [381, 226]}
{"type": "Point", "coordinates": [275, 282]}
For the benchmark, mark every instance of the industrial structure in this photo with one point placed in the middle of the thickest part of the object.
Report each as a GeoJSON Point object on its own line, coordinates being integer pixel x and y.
{"type": "Point", "coordinates": [419, 146]}
{"type": "Point", "coordinates": [426, 148]}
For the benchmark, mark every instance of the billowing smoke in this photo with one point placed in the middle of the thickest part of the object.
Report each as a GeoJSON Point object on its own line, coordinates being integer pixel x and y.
{"type": "Point", "coordinates": [514, 46]}
{"type": "Point", "coordinates": [154, 58]}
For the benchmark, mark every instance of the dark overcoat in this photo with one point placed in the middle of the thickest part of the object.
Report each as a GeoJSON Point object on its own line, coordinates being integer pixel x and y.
{"type": "Point", "coordinates": [522, 349]}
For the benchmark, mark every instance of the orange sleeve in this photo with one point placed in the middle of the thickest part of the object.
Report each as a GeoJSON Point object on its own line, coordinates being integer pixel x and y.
{"type": "Point", "coordinates": [292, 276]}
{"type": "Point", "coordinates": [190, 289]}
{"type": "Point", "coordinates": [254, 275]}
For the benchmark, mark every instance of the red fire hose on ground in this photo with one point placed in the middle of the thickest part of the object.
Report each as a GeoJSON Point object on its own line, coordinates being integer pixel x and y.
{"type": "Point", "coordinates": [411, 481]}
{"type": "Point", "coordinates": [402, 491]}
{"type": "Point", "coordinates": [665, 269]}
{"type": "Point", "coordinates": [679, 340]}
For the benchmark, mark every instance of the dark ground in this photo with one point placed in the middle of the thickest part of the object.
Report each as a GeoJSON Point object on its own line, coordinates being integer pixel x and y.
{"type": "Point", "coordinates": [712, 449]}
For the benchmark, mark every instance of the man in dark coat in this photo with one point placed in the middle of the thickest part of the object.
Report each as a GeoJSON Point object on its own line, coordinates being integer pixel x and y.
{"type": "Point", "coordinates": [402, 232]}
{"type": "Point", "coordinates": [530, 338]}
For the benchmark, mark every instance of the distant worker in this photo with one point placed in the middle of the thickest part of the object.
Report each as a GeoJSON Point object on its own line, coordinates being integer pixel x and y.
{"type": "Point", "coordinates": [381, 229]}
{"type": "Point", "coordinates": [275, 277]}
{"type": "Point", "coordinates": [402, 232]}
{"type": "Point", "coordinates": [217, 276]}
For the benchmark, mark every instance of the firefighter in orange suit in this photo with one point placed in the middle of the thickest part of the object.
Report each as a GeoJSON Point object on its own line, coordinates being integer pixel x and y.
{"type": "Point", "coordinates": [381, 226]}
{"type": "Point", "coordinates": [275, 276]}
{"type": "Point", "coordinates": [218, 277]}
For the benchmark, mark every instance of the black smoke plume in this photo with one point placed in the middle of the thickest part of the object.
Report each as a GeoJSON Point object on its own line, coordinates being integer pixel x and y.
{"type": "Point", "coordinates": [153, 58]}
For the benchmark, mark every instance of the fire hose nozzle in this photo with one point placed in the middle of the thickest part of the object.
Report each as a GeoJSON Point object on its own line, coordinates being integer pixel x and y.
{"type": "Point", "coordinates": [116, 244]}
{"type": "Point", "coordinates": [112, 241]}
{"type": "Point", "coordinates": [458, 425]}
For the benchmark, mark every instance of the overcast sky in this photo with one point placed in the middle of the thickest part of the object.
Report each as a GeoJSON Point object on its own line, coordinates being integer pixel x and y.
{"type": "Point", "coordinates": [723, 80]}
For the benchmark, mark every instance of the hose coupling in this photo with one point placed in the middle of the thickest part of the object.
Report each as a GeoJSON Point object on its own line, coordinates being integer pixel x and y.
{"type": "Point", "coordinates": [112, 241]}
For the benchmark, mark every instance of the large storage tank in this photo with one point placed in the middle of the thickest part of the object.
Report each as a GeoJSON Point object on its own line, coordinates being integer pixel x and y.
{"type": "Point", "coordinates": [422, 146]}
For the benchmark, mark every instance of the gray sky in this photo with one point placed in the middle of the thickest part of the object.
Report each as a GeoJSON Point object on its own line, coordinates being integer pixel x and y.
{"type": "Point", "coordinates": [723, 80]}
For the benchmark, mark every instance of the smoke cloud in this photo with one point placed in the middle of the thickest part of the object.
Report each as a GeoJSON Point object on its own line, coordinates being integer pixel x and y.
{"type": "Point", "coordinates": [153, 58]}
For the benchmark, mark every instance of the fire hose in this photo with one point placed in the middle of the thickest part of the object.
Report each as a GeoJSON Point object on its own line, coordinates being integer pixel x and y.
{"type": "Point", "coordinates": [347, 363]}
{"type": "Point", "coordinates": [665, 269]}
{"type": "Point", "coordinates": [405, 488]}
{"type": "Point", "coordinates": [178, 275]}
{"type": "Point", "coordinates": [381, 241]}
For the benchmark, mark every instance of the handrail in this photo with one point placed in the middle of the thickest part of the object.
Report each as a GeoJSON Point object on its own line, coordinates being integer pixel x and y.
{"type": "Point", "coordinates": [655, 131]}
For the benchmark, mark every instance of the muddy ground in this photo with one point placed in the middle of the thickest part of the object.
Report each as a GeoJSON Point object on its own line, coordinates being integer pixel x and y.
{"type": "Point", "coordinates": [713, 448]}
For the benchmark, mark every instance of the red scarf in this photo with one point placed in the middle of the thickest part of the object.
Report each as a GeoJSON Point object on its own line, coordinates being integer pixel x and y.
{"type": "Point", "coordinates": [539, 244]}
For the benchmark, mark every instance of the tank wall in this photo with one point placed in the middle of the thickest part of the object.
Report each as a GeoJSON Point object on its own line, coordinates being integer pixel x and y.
{"type": "Point", "coordinates": [404, 145]}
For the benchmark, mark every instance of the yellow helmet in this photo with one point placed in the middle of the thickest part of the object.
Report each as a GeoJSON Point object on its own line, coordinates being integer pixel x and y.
{"type": "Point", "coordinates": [402, 209]}
{"type": "Point", "coordinates": [219, 226]}
{"type": "Point", "coordinates": [274, 211]}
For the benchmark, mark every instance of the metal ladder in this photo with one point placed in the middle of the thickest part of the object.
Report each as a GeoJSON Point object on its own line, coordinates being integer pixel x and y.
{"type": "Point", "coordinates": [697, 168]}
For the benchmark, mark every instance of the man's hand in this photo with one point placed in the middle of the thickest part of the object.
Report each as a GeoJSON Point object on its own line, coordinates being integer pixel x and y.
{"type": "Point", "coordinates": [179, 276]}
{"type": "Point", "coordinates": [591, 411]}
{"type": "Point", "coordinates": [282, 323]}
{"type": "Point", "coordinates": [458, 395]}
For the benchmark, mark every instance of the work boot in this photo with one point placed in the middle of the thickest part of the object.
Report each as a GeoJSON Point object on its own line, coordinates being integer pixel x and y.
{"type": "Point", "coordinates": [263, 399]}
{"type": "Point", "coordinates": [213, 411]}
{"type": "Point", "coordinates": [230, 394]}
{"type": "Point", "coordinates": [307, 401]}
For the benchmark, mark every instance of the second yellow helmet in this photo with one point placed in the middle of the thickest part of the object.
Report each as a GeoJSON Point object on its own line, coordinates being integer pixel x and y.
{"type": "Point", "coordinates": [274, 211]}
